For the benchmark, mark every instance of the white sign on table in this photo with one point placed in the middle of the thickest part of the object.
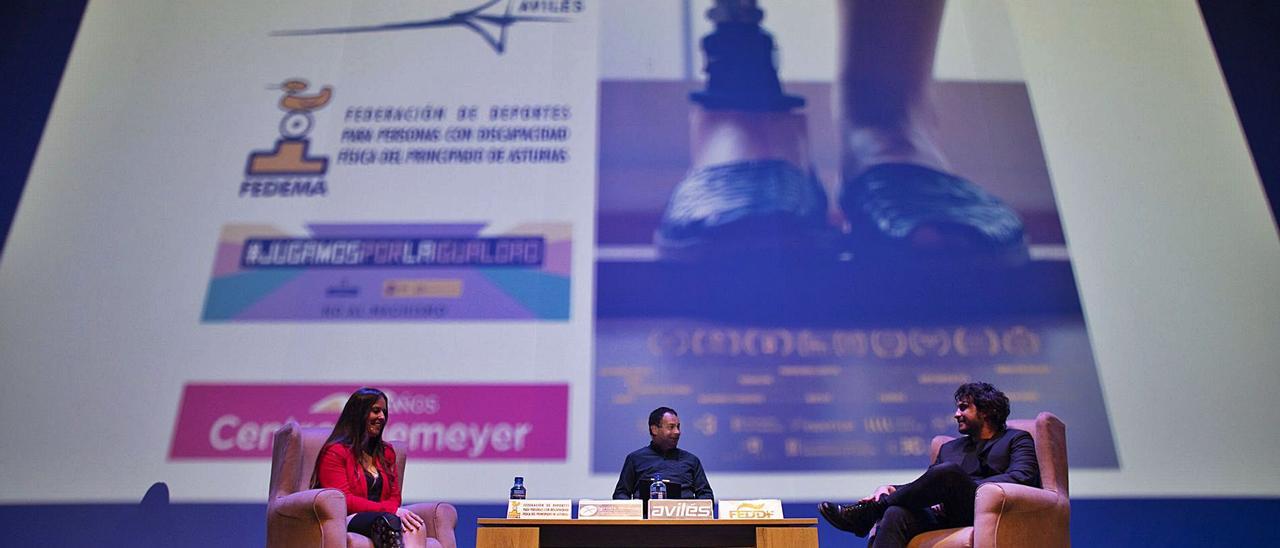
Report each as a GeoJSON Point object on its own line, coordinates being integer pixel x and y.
{"type": "Point", "coordinates": [751, 509]}
{"type": "Point", "coordinates": [610, 509]}
{"type": "Point", "coordinates": [680, 509]}
{"type": "Point", "coordinates": [539, 509]}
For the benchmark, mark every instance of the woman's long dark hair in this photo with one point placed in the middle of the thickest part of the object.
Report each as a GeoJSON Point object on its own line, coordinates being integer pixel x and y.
{"type": "Point", "coordinates": [352, 431]}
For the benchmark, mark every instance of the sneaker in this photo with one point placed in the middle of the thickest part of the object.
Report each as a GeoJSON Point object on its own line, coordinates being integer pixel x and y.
{"type": "Point", "coordinates": [743, 209]}
{"type": "Point", "coordinates": [911, 212]}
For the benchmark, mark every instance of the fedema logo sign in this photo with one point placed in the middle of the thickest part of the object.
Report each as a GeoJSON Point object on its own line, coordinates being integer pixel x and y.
{"type": "Point", "coordinates": [289, 169]}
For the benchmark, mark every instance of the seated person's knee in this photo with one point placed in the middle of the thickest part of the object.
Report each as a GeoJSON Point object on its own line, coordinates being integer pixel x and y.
{"type": "Point", "coordinates": [895, 515]}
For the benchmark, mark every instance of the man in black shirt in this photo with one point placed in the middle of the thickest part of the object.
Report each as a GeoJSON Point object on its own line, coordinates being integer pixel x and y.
{"type": "Point", "coordinates": [943, 497]}
{"type": "Point", "coordinates": [662, 456]}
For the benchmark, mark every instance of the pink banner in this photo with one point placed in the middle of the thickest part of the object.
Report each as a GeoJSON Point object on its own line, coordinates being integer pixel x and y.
{"type": "Point", "coordinates": [442, 422]}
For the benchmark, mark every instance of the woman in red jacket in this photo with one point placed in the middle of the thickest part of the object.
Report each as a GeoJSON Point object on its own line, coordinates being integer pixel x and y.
{"type": "Point", "coordinates": [355, 461]}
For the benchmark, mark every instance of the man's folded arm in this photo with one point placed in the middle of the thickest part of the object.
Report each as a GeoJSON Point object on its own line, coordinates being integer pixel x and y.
{"type": "Point", "coordinates": [1023, 469]}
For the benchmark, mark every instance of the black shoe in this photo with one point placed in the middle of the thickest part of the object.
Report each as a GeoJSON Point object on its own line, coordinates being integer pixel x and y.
{"type": "Point", "coordinates": [856, 518]}
{"type": "Point", "coordinates": [831, 512]}
{"type": "Point", "coordinates": [756, 210]}
{"type": "Point", "coordinates": [887, 203]}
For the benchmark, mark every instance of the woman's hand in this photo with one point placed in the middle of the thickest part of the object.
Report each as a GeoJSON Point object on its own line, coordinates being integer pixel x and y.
{"type": "Point", "coordinates": [411, 521]}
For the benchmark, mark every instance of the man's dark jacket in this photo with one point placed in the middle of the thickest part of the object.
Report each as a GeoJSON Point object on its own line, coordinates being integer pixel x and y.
{"type": "Point", "coordinates": [1008, 457]}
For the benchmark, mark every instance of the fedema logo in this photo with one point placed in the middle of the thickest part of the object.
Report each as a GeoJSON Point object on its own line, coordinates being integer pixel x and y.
{"type": "Point", "coordinates": [289, 169]}
{"type": "Point", "coordinates": [490, 24]}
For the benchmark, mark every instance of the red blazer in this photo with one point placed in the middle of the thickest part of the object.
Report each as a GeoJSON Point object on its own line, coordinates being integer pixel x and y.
{"type": "Point", "coordinates": [338, 469]}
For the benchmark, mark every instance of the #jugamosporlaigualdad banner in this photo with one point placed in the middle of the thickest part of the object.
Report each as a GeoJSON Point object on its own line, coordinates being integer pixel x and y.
{"type": "Point", "coordinates": [391, 272]}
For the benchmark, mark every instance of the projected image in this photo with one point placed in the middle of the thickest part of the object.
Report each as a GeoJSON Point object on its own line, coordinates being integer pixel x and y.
{"type": "Point", "coordinates": [806, 270]}
{"type": "Point", "coordinates": [390, 272]}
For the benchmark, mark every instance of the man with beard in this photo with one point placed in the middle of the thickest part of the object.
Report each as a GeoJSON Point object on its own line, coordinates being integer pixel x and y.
{"type": "Point", "coordinates": [662, 457]}
{"type": "Point", "coordinates": [943, 497]}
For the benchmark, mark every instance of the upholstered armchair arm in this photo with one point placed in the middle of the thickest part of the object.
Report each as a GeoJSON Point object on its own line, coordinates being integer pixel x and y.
{"type": "Point", "coordinates": [315, 517]}
{"type": "Point", "coordinates": [1008, 514]}
{"type": "Point", "coordinates": [441, 518]}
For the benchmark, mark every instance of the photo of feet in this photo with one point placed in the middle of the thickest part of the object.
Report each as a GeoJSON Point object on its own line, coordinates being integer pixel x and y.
{"type": "Point", "coordinates": [809, 266]}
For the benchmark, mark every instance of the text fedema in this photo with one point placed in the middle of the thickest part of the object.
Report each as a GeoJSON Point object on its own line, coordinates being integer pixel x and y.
{"type": "Point", "coordinates": [230, 433]}
{"type": "Point", "coordinates": [411, 252]}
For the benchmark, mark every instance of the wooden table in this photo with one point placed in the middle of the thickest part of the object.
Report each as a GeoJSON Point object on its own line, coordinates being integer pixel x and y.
{"type": "Point", "coordinates": [694, 533]}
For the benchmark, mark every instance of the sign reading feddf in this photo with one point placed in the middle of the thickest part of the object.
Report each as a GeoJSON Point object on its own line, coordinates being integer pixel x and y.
{"type": "Point", "coordinates": [751, 509]}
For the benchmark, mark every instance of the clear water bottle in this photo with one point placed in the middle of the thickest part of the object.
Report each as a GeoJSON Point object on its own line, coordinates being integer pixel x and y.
{"type": "Point", "coordinates": [657, 489]}
{"type": "Point", "coordinates": [517, 490]}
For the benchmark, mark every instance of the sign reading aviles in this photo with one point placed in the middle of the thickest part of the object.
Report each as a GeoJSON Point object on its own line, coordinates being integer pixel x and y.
{"type": "Point", "coordinates": [447, 422]}
{"type": "Point", "coordinates": [680, 509]}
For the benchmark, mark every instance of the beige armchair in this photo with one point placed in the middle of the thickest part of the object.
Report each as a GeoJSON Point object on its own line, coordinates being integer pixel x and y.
{"type": "Point", "coordinates": [1008, 514]}
{"type": "Point", "coordinates": [299, 516]}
